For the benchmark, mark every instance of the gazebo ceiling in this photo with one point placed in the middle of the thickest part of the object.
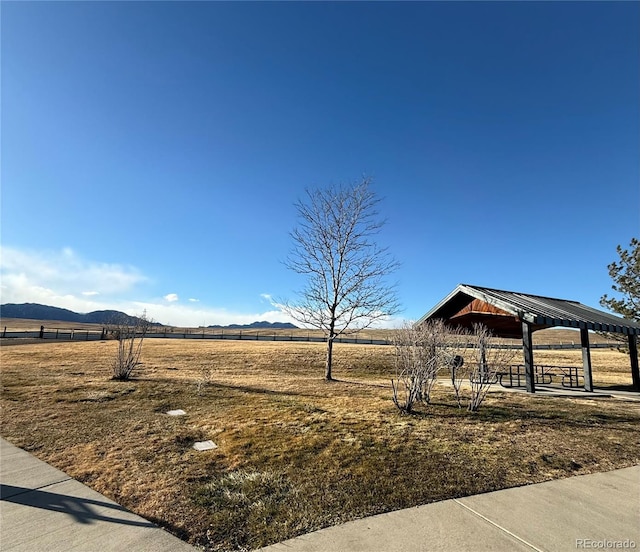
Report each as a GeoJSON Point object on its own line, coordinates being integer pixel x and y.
{"type": "Point", "coordinates": [500, 325]}
{"type": "Point", "coordinates": [500, 322]}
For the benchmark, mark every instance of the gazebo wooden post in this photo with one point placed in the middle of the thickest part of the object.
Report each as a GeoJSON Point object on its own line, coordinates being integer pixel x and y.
{"type": "Point", "coordinates": [527, 348]}
{"type": "Point", "coordinates": [633, 355]}
{"type": "Point", "coordinates": [586, 359]}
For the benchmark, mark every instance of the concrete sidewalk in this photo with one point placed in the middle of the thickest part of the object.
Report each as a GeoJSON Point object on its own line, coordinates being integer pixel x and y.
{"type": "Point", "coordinates": [599, 511]}
{"type": "Point", "coordinates": [42, 508]}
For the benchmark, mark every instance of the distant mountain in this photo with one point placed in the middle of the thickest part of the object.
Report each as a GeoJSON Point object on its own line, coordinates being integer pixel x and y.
{"type": "Point", "coordinates": [259, 325]}
{"type": "Point", "coordinates": [34, 311]}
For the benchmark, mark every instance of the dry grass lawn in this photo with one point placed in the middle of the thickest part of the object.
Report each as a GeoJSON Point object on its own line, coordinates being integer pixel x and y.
{"type": "Point", "coordinates": [295, 453]}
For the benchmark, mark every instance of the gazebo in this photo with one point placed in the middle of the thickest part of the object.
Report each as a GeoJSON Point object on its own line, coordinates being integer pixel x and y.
{"type": "Point", "coordinates": [510, 314]}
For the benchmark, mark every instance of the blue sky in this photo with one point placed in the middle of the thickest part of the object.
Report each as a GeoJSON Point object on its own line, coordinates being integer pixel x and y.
{"type": "Point", "coordinates": [152, 151]}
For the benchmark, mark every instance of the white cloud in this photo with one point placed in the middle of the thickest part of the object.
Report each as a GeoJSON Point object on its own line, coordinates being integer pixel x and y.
{"type": "Point", "coordinates": [56, 278]}
{"type": "Point", "coordinates": [24, 272]}
{"type": "Point", "coordinates": [191, 316]}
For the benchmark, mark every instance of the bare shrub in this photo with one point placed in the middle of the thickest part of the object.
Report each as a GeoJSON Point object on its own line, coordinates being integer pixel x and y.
{"type": "Point", "coordinates": [204, 379]}
{"type": "Point", "coordinates": [491, 359]}
{"type": "Point", "coordinates": [422, 352]}
{"type": "Point", "coordinates": [130, 333]}
{"type": "Point", "coordinates": [414, 367]}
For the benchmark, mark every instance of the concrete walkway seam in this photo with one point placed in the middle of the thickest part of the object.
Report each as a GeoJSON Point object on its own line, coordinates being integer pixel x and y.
{"type": "Point", "coordinates": [498, 526]}
{"type": "Point", "coordinates": [27, 491]}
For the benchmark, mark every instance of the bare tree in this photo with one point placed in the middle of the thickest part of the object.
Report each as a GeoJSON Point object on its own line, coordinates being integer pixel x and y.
{"type": "Point", "coordinates": [130, 333]}
{"type": "Point", "coordinates": [491, 359]}
{"type": "Point", "coordinates": [345, 269]}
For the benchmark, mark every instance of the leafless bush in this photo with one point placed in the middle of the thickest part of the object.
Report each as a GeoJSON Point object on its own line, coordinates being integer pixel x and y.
{"type": "Point", "coordinates": [130, 333]}
{"type": "Point", "coordinates": [490, 360]}
{"type": "Point", "coordinates": [204, 379]}
{"type": "Point", "coordinates": [414, 367]}
{"type": "Point", "coordinates": [421, 353]}
{"type": "Point", "coordinates": [425, 351]}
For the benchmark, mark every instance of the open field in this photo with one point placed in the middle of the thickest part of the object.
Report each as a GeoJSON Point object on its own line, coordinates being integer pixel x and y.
{"type": "Point", "coordinates": [295, 453]}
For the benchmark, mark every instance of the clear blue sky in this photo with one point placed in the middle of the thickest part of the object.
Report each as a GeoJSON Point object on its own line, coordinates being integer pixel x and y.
{"type": "Point", "coordinates": [152, 151]}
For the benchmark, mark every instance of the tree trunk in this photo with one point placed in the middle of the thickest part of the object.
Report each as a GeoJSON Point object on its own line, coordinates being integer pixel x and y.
{"type": "Point", "coordinates": [327, 370]}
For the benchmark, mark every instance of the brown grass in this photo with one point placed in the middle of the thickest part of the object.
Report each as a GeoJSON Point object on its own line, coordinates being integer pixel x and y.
{"type": "Point", "coordinates": [295, 453]}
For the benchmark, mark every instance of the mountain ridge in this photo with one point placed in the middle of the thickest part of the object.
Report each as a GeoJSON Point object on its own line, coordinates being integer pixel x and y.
{"type": "Point", "coordinates": [37, 311]}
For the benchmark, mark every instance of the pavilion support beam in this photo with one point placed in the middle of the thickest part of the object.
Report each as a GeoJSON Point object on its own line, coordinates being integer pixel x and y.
{"type": "Point", "coordinates": [527, 348]}
{"type": "Point", "coordinates": [586, 359]}
{"type": "Point", "coordinates": [633, 354]}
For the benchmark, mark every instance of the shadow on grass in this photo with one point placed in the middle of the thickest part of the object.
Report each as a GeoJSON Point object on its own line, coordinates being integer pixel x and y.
{"type": "Point", "coordinates": [228, 386]}
{"type": "Point", "coordinates": [258, 390]}
{"type": "Point", "coordinates": [360, 383]}
{"type": "Point", "coordinates": [550, 416]}
{"type": "Point", "coordinates": [547, 415]}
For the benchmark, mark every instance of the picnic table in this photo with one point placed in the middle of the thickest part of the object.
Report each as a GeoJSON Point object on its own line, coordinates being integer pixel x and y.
{"type": "Point", "coordinates": [544, 374]}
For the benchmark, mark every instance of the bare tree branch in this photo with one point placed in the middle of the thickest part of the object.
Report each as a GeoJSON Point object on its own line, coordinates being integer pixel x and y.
{"type": "Point", "coordinates": [334, 247]}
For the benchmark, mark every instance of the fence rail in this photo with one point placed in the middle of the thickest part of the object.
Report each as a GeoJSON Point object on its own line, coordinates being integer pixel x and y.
{"type": "Point", "coordinates": [99, 335]}
{"type": "Point", "coordinates": [60, 334]}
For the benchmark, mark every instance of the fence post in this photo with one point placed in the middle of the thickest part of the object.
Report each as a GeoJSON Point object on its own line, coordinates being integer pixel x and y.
{"type": "Point", "coordinates": [57, 330]}
{"type": "Point", "coordinates": [4, 333]}
{"type": "Point", "coordinates": [71, 335]}
{"type": "Point", "coordinates": [41, 332]}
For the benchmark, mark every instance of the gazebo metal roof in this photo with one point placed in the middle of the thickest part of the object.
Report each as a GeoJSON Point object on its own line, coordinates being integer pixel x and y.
{"type": "Point", "coordinates": [540, 312]}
